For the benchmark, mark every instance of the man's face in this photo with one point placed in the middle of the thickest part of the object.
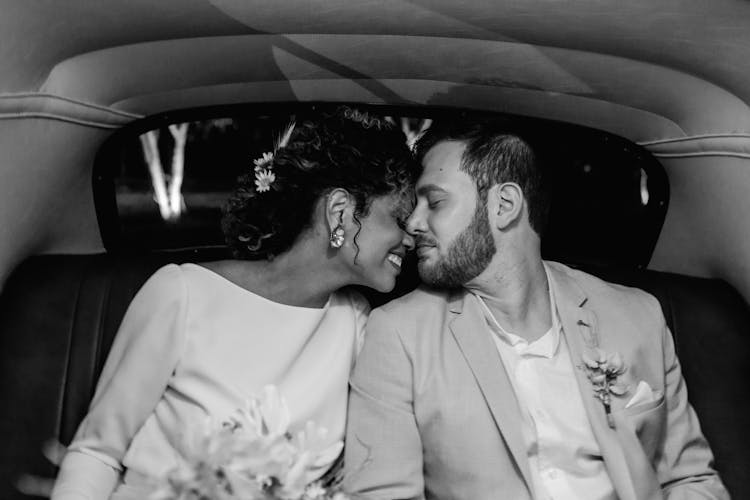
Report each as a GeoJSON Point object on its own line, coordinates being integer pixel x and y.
{"type": "Point", "coordinates": [452, 232]}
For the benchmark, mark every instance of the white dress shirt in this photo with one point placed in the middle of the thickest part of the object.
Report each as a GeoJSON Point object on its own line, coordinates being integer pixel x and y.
{"type": "Point", "coordinates": [564, 457]}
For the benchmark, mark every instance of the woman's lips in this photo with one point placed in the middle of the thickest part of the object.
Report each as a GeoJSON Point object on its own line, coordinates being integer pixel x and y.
{"type": "Point", "coordinates": [395, 259]}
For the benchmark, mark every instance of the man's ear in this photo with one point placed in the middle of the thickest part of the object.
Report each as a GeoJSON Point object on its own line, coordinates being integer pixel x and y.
{"type": "Point", "coordinates": [506, 203]}
{"type": "Point", "coordinates": [338, 208]}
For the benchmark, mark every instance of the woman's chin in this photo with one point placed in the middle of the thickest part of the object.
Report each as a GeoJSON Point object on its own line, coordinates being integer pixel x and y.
{"type": "Point", "coordinates": [383, 285]}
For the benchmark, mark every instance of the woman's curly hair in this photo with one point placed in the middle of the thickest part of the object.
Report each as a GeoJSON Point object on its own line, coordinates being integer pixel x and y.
{"type": "Point", "coordinates": [358, 151]}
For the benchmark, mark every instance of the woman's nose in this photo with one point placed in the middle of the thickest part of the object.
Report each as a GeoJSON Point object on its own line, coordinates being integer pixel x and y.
{"type": "Point", "coordinates": [408, 241]}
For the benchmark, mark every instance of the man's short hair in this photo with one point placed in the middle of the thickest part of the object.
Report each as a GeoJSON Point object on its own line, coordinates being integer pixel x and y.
{"type": "Point", "coordinates": [495, 153]}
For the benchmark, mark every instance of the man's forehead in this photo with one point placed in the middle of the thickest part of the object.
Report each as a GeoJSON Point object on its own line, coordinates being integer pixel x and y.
{"type": "Point", "coordinates": [441, 164]}
{"type": "Point", "coordinates": [444, 155]}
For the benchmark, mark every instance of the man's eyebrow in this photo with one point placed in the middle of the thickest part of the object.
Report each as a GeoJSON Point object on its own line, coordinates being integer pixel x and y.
{"type": "Point", "coordinates": [429, 188]}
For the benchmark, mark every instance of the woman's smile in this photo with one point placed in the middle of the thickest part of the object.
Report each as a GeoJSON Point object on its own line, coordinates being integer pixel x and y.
{"type": "Point", "coordinates": [395, 259]}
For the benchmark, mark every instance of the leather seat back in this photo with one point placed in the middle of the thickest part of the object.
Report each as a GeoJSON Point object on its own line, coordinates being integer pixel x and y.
{"type": "Point", "coordinates": [59, 315]}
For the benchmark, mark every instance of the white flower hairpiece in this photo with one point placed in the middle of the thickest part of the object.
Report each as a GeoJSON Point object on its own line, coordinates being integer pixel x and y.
{"type": "Point", "coordinates": [263, 180]}
{"type": "Point", "coordinates": [264, 160]}
{"type": "Point", "coordinates": [264, 175]}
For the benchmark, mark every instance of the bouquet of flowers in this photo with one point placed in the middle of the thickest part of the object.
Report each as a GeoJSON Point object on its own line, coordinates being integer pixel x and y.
{"type": "Point", "coordinates": [252, 456]}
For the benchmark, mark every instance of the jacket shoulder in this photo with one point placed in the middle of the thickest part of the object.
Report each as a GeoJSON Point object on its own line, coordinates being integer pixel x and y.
{"type": "Point", "coordinates": [422, 309]}
{"type": "Point", "coordinates": [600, 291]}
{"type": "Point", "coordinates": [418, 300]}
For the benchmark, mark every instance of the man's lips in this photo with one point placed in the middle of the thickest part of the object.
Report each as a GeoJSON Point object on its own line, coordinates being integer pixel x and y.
{"type": "Point", "coordinates": [425, 241]}
{"type": "Point", "coordinates": [423, 249]}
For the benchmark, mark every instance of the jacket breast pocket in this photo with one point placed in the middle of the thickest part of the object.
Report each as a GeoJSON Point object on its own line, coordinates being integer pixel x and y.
{"type": "Point", "coordinates": [649, 423]}
{"type": "Point", "coordinates": [644, 408]}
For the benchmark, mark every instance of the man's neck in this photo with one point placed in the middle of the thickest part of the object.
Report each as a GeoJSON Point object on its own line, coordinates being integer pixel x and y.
{"type": "Point", "coordinates": [517, 295]}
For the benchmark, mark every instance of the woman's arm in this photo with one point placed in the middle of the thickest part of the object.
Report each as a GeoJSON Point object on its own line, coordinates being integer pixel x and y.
{"type": "Point", "coordinates": [142, 359]}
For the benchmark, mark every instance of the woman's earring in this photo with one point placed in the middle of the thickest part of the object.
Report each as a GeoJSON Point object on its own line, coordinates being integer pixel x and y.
{"type": "Point", "coordinates": [337, 237]}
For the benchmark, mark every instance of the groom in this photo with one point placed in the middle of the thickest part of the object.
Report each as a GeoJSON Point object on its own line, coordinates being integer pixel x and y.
{"type": "Point", "coordinates": [512, 377]}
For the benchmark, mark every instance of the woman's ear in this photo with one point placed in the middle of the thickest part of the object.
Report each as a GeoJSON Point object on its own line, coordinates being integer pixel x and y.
{"type": "Point", "coordinates": [505, 204]}
{"type": "Point", "coordinates": [338, 208]}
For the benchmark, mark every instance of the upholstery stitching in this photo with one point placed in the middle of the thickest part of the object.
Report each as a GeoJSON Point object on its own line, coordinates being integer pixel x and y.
{"type": "Point", "coordinates": [53, 116]}
{"type": "Point", "coordinates": [63, 395]}
{"type": "Point", "coordinates": [700, 154]}
{"type": "Point", "coordinates": [694, 137]}
{"type": "Point", "coordinates": [104, 308]}
{"type": "Point", "coordinates": [26, 95]}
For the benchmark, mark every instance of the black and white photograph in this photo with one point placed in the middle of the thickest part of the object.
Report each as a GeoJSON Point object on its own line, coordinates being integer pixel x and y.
{"type": "Point", "coordinates": [374, 249]}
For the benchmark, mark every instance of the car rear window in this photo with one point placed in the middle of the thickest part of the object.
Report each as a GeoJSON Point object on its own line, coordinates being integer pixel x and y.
{"type": "Point", "coordinates": [161, 182]}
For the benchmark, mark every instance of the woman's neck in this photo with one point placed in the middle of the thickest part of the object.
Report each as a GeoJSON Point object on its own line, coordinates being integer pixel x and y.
{"type": "Point", "coordinates": [302, 277]}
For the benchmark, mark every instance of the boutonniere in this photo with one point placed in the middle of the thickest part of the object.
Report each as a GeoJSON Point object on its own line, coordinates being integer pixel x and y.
{"type": "Point", "coordinates": [602, 370]}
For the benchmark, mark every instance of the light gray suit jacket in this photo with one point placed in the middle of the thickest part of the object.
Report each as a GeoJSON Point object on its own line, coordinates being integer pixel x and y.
{"type": "Point", "coordinates": [432, 413]}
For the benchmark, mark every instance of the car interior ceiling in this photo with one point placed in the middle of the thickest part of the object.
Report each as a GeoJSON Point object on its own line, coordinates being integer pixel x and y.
{"type": "Point", "coordinates": [696, 140]}
{"type": "Point", "coordinates": [100, 87]}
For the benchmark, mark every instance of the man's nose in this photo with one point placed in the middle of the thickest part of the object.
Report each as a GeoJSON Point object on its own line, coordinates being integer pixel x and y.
{"type": "Point", "coordinates": [415, 223]}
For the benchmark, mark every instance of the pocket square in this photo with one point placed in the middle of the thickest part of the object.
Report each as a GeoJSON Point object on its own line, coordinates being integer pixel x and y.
{"type": "Point", "coordinates": [643, 394]}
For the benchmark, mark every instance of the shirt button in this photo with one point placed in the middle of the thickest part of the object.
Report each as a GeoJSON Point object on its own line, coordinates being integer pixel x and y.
{"type": "Point", "coordinates": [551, 473]}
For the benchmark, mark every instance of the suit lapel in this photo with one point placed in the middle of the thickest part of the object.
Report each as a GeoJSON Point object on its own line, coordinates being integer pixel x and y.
{"type": "Point", "coordinates": [470, 331]}
{"type": "Point", "coordinates": [580, 332]}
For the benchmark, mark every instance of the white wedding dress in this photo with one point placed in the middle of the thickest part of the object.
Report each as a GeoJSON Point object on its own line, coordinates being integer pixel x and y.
{"type": "Point", "coordinates": [193, 345]}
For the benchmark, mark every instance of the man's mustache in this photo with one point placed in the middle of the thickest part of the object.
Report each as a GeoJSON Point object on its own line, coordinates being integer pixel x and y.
{"type": "Point", "coordinates": [421, 239]}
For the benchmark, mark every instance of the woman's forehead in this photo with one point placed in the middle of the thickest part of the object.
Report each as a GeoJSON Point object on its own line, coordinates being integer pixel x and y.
{"type": "Point", "coordinates": [398, 204]}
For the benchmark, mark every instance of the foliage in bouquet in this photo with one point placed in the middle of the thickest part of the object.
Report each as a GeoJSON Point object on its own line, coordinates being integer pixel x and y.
{"type": "Point", "coordinates": [252, 456]}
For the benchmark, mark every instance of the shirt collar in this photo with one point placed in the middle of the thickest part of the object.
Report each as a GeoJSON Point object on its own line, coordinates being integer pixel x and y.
{"type": "Point", "coordinates": [546, 345]}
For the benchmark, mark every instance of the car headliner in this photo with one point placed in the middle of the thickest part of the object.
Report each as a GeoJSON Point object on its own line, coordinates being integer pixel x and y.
{"type": "Point", "coordinates": [672, 76]}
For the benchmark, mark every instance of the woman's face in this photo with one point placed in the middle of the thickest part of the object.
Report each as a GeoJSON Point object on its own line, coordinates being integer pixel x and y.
{"type": "Point", "coordinates": [382, 243]}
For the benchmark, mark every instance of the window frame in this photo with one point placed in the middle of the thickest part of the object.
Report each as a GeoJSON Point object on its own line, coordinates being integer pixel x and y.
{"type": "Point", "coordinates": [108, 156]}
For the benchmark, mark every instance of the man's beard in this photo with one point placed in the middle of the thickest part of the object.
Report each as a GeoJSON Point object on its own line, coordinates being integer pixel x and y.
{"type": "Point", "coordinates": [468, 255]}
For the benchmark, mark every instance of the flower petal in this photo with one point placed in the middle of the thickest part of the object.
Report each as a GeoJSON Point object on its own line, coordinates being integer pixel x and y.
{"type": "Point", "coordinates": [616, 363]}
{"type": "Point", "coordinates": [618, 389]}
{"type": "Point", "coordinates": [275, 411]}
{"type": "Point", "coordinates": [589, 361]}
{"type": "Point", "coordinates": [601, 356]}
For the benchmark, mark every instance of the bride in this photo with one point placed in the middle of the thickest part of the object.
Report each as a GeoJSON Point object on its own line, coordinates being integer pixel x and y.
{"type": "Point", "coordinates": [323, 211]}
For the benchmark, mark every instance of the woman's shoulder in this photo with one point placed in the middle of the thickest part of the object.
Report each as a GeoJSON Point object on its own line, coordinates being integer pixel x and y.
{"type": "Point", "coordinates": [174, 279]}
{"type": "Point", "coordinates": [167, 271]}
{"type": "Point", "coordinates": [164, 289]}
{"type": "Point", "coordinates": [200, 275]}
{"type": "Point", "coordinates": [165, 278]}
{"type": "Point", "coordinates": [231, 274]}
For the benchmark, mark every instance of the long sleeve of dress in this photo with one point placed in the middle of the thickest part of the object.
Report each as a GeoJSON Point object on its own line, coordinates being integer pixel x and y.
{"type": "Point", "coordinates": [135, 376]}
